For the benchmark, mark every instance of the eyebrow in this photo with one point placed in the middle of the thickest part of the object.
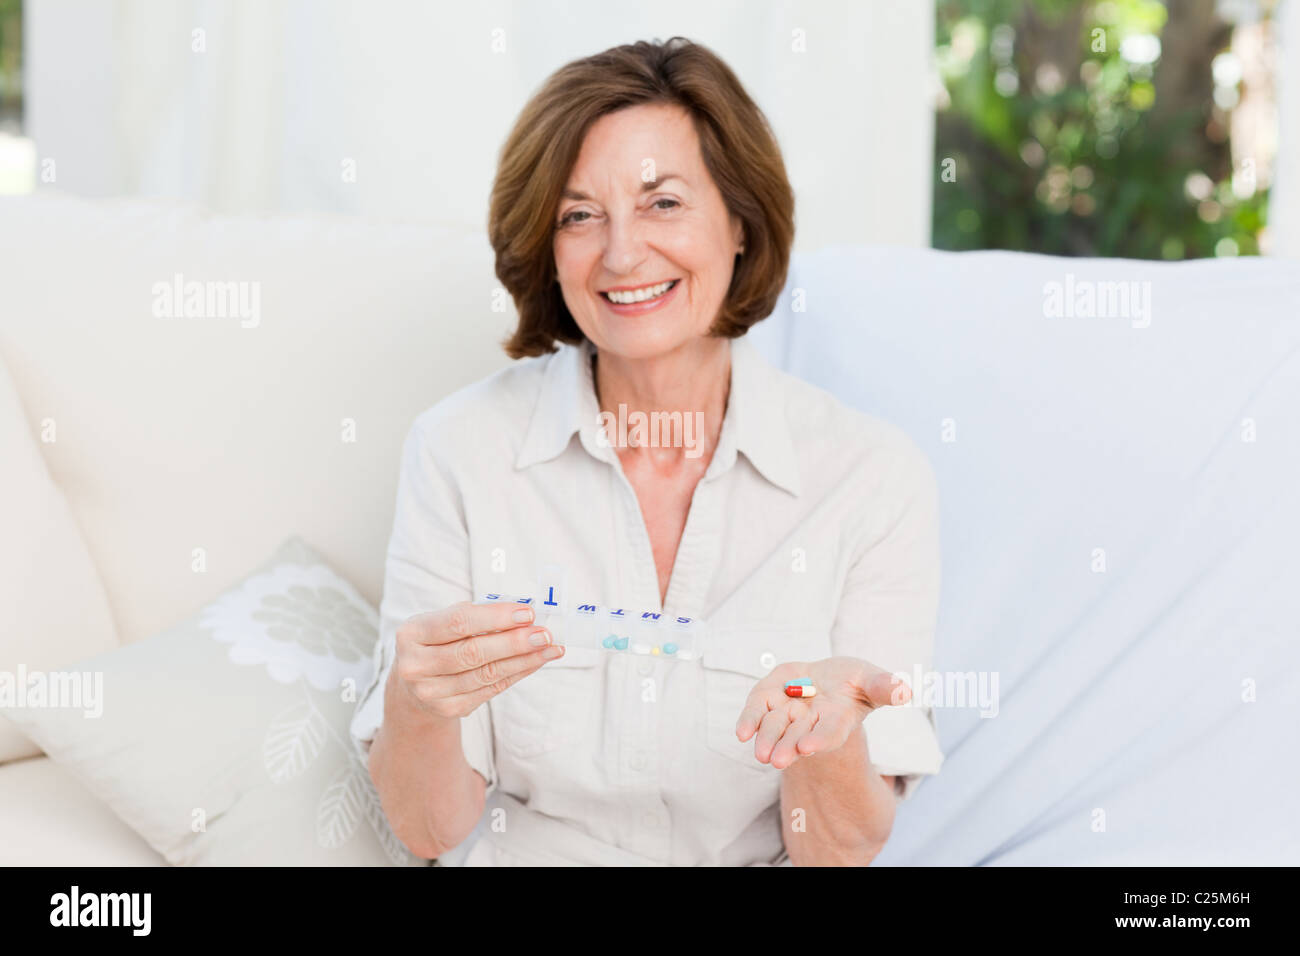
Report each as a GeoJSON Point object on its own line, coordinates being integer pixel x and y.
{"type": "Point", "coordinates": [645, 187]}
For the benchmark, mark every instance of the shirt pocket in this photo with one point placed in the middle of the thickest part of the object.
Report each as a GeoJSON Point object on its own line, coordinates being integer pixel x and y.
{"type": "Point", "coordinates": [551, 708]}
{"type": "Point", "coordinates": [734, 660]}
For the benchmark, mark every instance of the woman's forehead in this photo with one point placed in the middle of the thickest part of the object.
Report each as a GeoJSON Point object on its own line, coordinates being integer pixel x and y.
{"type": "Point", "coordinates": [645, 143]}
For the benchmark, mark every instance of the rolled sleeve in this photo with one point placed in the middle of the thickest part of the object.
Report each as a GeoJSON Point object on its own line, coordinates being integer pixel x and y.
{"type": "Point", "coordinates": [889, 607]}
{"type": "Point", "coordinates": [904, 742]}
{"type": "Point", "coordinates": [370, 707]}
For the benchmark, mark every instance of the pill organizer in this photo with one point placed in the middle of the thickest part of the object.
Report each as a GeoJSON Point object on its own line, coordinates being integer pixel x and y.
{"type": "Point", "coordinates": [615, 629]}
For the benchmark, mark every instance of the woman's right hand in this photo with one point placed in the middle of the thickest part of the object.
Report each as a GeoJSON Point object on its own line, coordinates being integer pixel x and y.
{"type": "Point", "coordinates": [451, 661]}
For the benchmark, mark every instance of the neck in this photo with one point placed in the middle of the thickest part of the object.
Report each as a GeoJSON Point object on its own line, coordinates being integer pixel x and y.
{"type": "Point", "coordinates": [694, 378]}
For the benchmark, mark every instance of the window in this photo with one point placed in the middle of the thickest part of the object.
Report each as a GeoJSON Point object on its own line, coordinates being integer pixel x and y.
{"type": "Point", "coordinates": [1105, 127]}
{"type": "Point", "coordinates": [17, 153]}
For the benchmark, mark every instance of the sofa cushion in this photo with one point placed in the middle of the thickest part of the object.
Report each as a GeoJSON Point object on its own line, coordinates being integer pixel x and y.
{"type": "Point", "coordinates": [192, 444]}
{"type": "Point", "coordinates": [49, 818]}
{"type": "Point", "coordinates": [53, 609]}
{"type": "Point", "coordinates": [224, 740]}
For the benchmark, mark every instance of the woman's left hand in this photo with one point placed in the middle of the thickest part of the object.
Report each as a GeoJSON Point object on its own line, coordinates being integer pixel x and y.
{"type": "Point", "coordinates": [787, 728]}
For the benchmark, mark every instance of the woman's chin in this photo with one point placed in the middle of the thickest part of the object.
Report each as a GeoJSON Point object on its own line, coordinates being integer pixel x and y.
{"type": "Point", "coordinates": [642, 344]}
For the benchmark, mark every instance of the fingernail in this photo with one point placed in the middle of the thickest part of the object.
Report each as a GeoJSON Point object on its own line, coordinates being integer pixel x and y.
{"type": "Point", "coordinates": [552, 652]}
{"type": "Point", "coordinates": [524, 615]}
{"type": "Point", "coordinates": [539, 637]}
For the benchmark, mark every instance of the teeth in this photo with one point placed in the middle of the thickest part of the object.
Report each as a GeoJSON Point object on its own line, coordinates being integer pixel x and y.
{"type": "Point", "coordinates": [640, 295]}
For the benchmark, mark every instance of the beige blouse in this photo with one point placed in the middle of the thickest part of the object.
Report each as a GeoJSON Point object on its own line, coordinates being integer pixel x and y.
{"type": "Point", "coordinates": [814, 533]}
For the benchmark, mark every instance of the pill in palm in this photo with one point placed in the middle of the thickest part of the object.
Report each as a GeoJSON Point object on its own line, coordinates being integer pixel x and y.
{"type": "Point", "coordinates": [803, 687]}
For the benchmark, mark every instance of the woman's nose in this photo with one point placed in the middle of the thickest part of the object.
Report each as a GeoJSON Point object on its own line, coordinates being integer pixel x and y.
{"type": "Point", "coordinates": [625, 246]}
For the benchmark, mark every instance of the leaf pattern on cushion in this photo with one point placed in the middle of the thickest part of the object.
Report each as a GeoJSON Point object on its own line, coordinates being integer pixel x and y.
{"type": "Point", "coordinates": [341, 807]}
{"type": "Point", "coordinates": [293, 741]}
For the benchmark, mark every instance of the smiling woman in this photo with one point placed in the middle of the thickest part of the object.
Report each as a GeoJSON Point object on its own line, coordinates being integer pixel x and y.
{"type": "Point", "coordinates": [642, 221]}
{"type": "Point", "coordinates": [627, 246]}
{"type": "Point", "coordinates": [567, 152]}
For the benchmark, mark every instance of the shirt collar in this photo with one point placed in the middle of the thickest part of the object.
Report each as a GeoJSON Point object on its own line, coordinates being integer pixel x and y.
{"type": "Point", "coordinates": [755, 424]}
{"type": "Point", "coordinates": [565, 404]}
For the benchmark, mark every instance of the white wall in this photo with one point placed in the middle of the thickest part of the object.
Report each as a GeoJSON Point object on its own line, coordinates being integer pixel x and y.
{"type": "Point", "coordinates": [288, 90]}
{"type": "Point", "coordinates": [1284, 201]}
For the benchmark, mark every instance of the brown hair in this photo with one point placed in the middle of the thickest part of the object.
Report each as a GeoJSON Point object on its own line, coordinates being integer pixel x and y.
{"type": "Point", "coordinates": [739, 150]}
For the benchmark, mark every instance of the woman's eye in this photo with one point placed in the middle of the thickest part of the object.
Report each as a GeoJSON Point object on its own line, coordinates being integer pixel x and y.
{"type": "Point", "coordinates": [577, 216]}
{"type": "Point", "coordinates": [666, 204]}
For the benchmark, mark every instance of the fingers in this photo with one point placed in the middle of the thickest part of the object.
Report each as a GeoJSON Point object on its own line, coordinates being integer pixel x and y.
{"type": "Point", "coordinates": [829, 731]}
{"type": "Point", "coordinates": [761, 700]}
{"type": "Point", "coordinates": [803, 718]}
{"type": "Point", "coordinates": [467, 702]}
{"type": "Point", "coordinates": [881, 688]}
{"type": "Point", "coordinates": [494, 671]}
{"type": "Point", "coordinates": [471, 653]}
{"type": "Point", "coordinates": [456, 695]}
{"type": "Point", "coordinates": [463, 620]}
{"type": "Point", "coordinates": [450, 660]}
{"type": "Point", "coordinates": [899, 691]}
{"type": "Point", "coordinates": [770, 729]}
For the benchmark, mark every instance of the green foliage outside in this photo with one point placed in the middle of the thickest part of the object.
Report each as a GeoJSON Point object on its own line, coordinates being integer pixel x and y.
{"type": "Point", "coordinates": [1059, 144]}
{"type": "Point", "coordinates": [11, 35]}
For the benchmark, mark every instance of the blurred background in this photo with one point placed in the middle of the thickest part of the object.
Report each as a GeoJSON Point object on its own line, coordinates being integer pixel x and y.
{"type": "Point", "coordinates": [1132, 128]}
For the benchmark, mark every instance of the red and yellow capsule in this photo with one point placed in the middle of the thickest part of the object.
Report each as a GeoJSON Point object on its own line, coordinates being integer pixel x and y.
{"type": "Point", "coordinates": [800, 688]}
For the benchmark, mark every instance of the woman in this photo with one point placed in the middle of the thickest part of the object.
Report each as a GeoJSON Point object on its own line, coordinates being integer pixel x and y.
{"type": "Point", "coordinates": [642, 222]}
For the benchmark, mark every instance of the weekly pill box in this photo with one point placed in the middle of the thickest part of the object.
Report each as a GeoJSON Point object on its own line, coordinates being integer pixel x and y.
{"type": "Point", "coordinates": [618, 630]}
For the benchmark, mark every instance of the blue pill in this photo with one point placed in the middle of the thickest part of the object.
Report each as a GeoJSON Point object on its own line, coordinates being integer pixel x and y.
{"type": "Point", "coordinates": [801, 682]}
{"type": "Point", "coordinates": [621, 644]}
{"type": "Point", "coordinates": [608, 642]}
{"type": "Point", "coordinates": [670, 648]}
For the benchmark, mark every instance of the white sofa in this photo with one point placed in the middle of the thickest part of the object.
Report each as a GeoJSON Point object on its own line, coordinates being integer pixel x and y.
{"type": "Point", "coordinates": [1120, 690]}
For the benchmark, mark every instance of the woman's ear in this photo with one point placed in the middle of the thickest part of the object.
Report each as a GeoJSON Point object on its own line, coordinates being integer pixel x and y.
{"type": "Point", "coordinates": [738, 234]}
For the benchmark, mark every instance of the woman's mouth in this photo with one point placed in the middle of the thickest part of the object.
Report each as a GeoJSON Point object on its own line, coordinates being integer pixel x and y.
{"type": "Point", "coordinates": [636, 300]}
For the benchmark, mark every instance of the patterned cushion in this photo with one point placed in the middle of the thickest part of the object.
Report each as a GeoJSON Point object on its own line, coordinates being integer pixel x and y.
{"type": "Point", "coordinates": [224, 740]}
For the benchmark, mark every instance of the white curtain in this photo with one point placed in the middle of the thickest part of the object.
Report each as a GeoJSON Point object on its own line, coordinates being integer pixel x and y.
{"type": "Point", "coordinates": [397, 109]}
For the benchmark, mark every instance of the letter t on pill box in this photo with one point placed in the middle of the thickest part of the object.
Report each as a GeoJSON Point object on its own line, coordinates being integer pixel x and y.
{"type": "Point", "coordinates": [552, 591]}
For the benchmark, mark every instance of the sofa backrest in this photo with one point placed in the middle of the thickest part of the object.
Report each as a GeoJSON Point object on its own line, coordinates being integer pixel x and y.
{"type": "Point", "coordinates": [172, 434]}
{"type": "Point", "coordinates": [1117, 448]}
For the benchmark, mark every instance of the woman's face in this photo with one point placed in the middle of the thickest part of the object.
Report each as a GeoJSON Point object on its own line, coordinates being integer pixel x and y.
{"type": "Point", "coordinates": [644, 246]}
